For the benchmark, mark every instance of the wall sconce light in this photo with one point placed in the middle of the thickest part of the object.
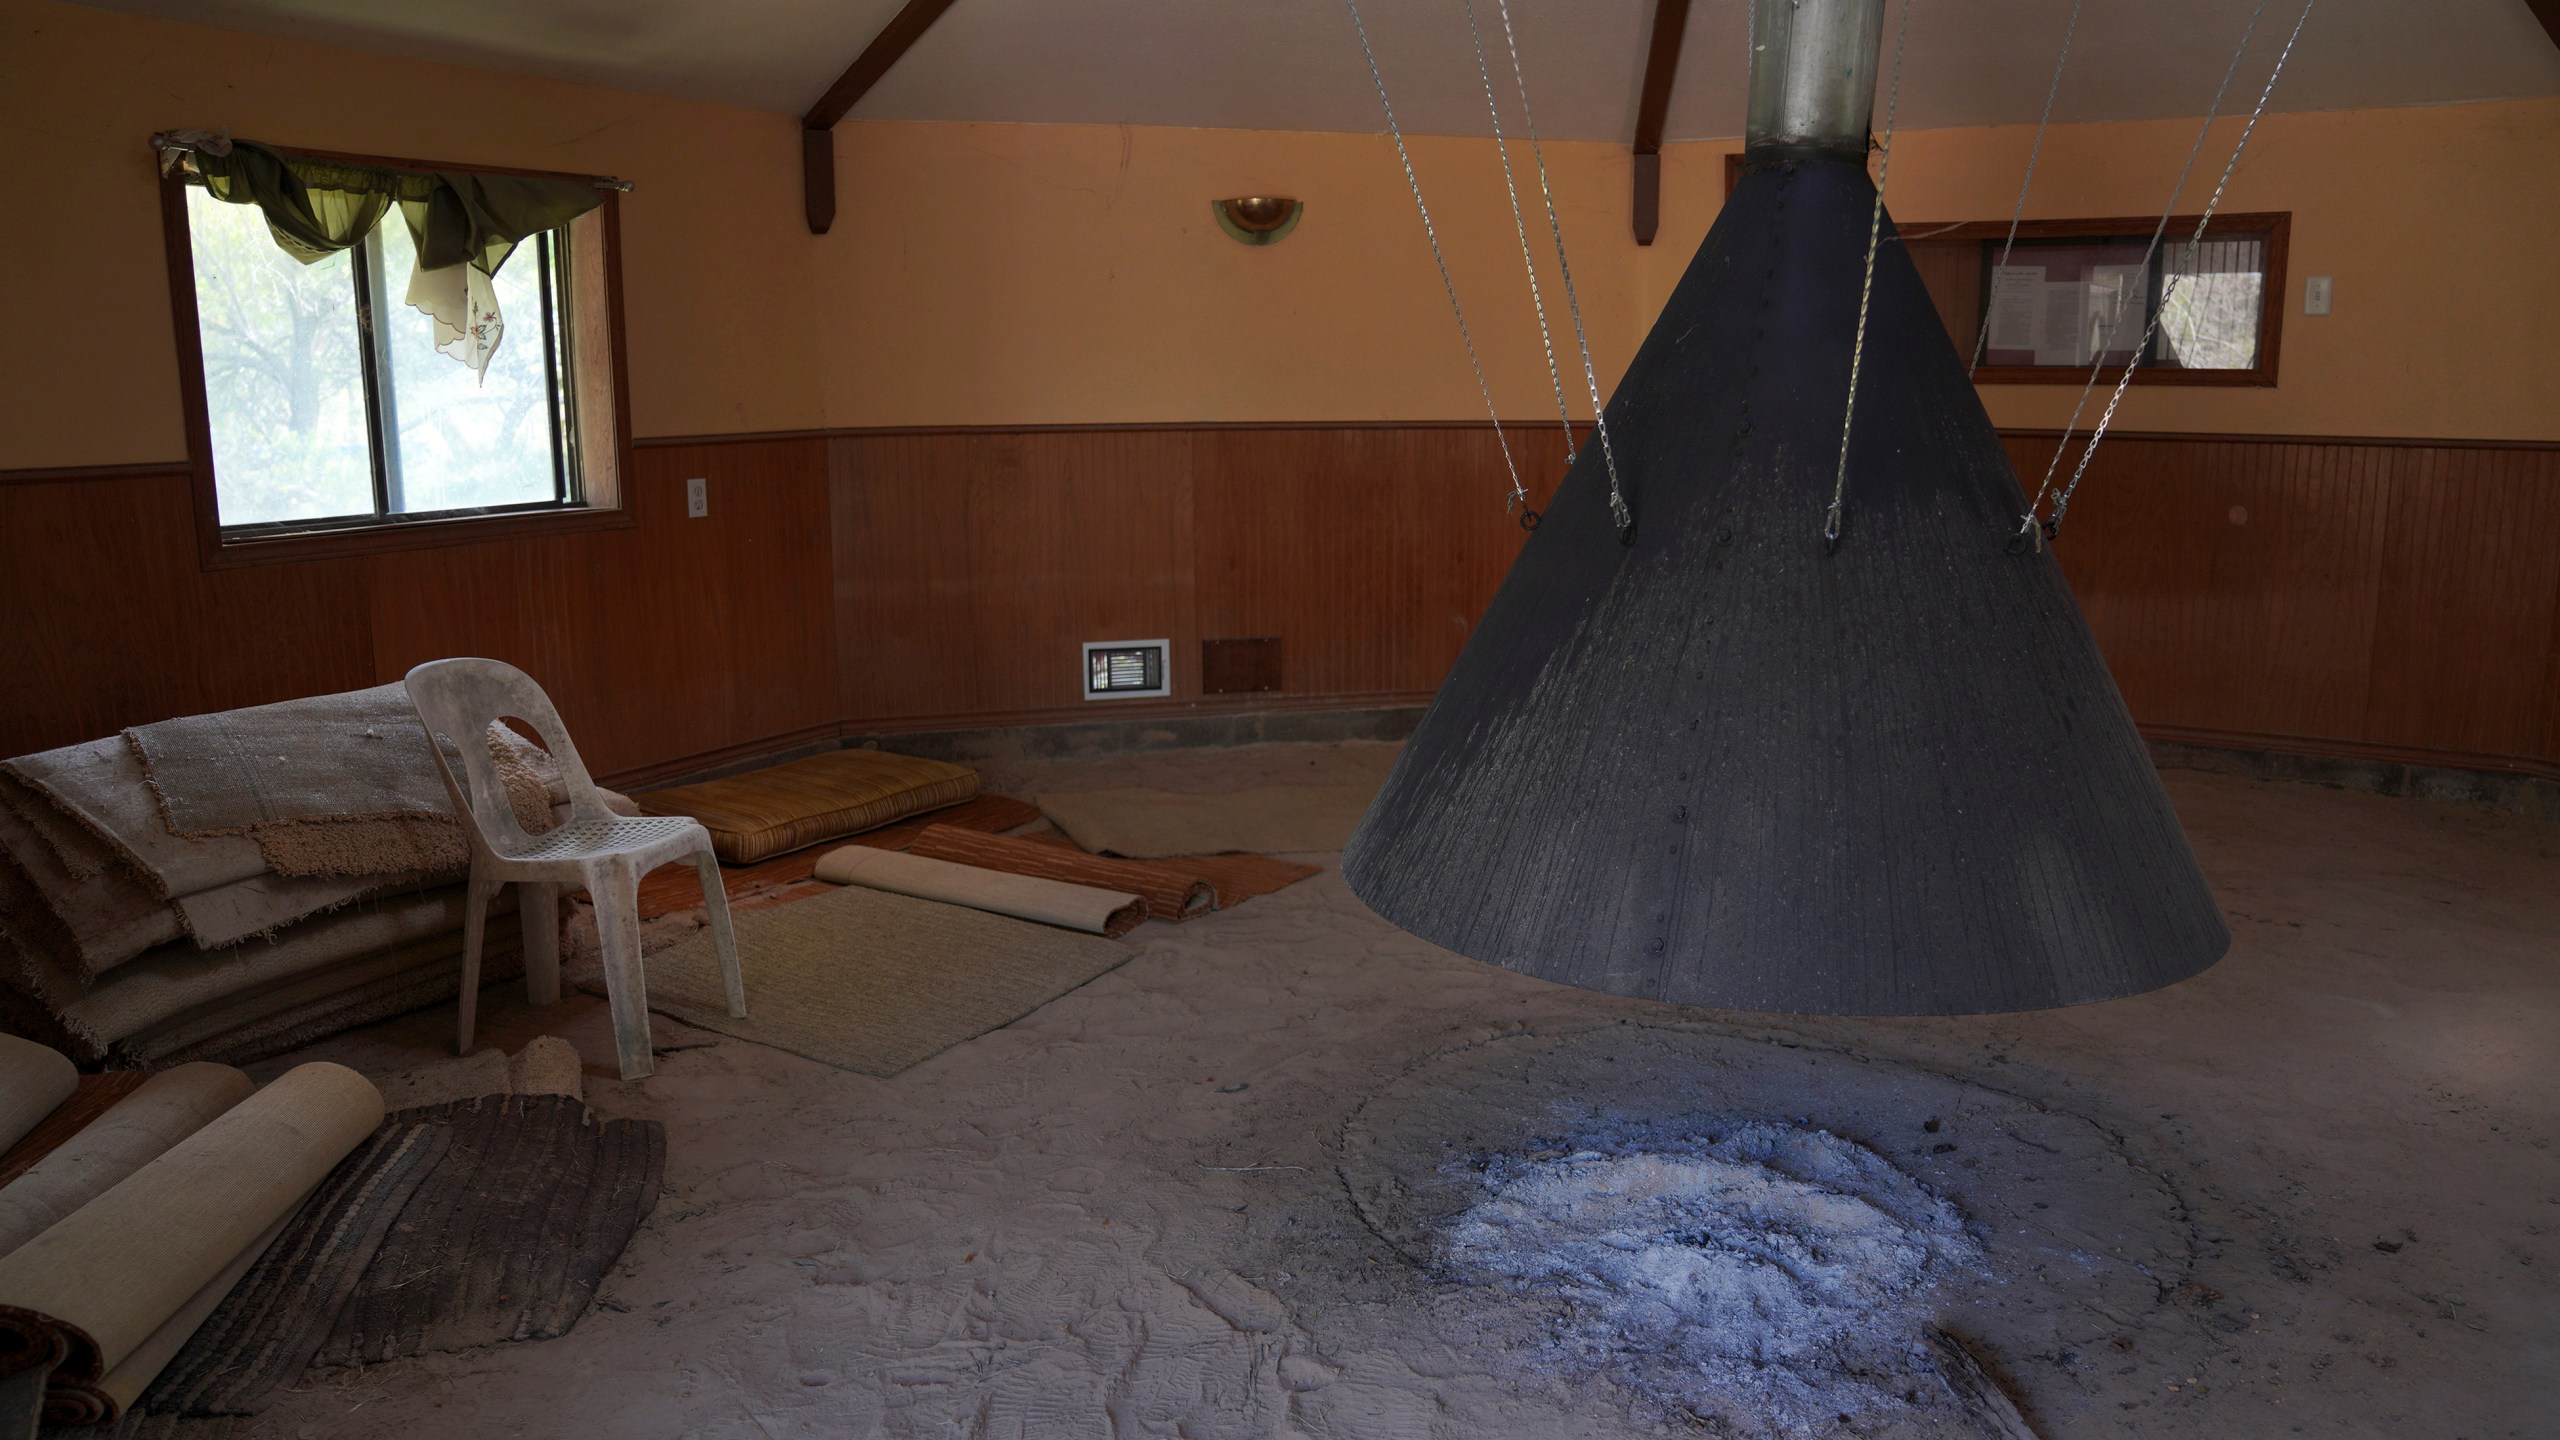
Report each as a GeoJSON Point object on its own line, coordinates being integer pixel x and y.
{"type": "Point", "coordinates": [1258, 219]}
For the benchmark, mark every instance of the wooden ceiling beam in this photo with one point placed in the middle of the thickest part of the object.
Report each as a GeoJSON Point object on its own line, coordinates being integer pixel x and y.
{"type": "Point", "coordinates": [817, 144]}
{"type": "Point", "coordinates": [1661, 61]}
{"type": "Point", "coordinates": [818, 178]}
{"type": "Point", "coordinates": [2548, 12]}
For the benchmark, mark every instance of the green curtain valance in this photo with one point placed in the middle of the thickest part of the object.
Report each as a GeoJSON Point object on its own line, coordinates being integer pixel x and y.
{"type": "Point", "coordinates": [319, 207]}
{"type": "Point", "coordinates": [463, 224]}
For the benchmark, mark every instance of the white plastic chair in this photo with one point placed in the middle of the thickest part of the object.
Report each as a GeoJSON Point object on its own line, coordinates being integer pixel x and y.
{"type": "Point", "coordinates": [594, 848]}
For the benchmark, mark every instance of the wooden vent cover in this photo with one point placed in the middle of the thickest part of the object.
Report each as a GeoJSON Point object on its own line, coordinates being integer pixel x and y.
{"type": "Point", "coordinates": [1241, 666]}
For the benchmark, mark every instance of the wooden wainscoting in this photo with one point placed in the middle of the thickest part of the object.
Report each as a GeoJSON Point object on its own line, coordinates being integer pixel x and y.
{"type": "Point", "coordinates": [677, 639]}
{"type": "Point", "coordinates": [108, 617]}
{"type": "Point", "coordinates": [2387, 599]}
{"type": "Point", "coordinates": [972, 565]}
{"type": "Point", "coordinates": [2392, 599]}
{"type": "Point", "coordinates": [662, 643]}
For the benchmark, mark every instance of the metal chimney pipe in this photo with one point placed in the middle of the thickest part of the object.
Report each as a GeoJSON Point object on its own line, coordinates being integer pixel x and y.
{"type": "Point", "coordinates": [1813, 76]}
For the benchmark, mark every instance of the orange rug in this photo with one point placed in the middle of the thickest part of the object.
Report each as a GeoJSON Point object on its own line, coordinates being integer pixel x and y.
{"type": "Point", "coordinates": [1236, 878]}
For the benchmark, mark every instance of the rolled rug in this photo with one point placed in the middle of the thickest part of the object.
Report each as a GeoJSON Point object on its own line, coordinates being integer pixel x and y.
{"type": "Point", "coordinates": [102, 1282]}
{"type": "Point", "coordinates": [94, 1096]}
{"type": "Point", "coordinates": [29, 1351]}
{"type": "Point", "coordinates": [133, 1375]}
{"type": "Point", "coordinates": [33, 1079]}
{"type": "Point", "coordinates": [1024, 897]}
{"type": "Point", "coordinates": [23, 1016]}
{"type": "Point", "coordinates": [1172, 890]}
{"type": "Point", "coordinates": [135, 1131]}
{"type": "Point", "coordinates": [547, 1065]}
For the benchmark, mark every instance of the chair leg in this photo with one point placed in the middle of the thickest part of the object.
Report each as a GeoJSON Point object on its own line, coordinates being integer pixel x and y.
{"type": "Point", "coordinates": [715, 902]}
{"type": "Point", "coordinates": [475, 916]}
{"type": "Point", "coordinates": [616, 892]}
{"type": "Point", "coordinates": [538, 907]}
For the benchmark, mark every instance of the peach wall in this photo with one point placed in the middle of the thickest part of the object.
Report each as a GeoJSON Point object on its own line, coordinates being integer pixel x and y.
{"type": "Point", "coordinates": [716, 259]}
{"type": "Point", "coordinates": [1007, 274]}
{"type": "Point", "coordinates": [1027, 274]}
{"type": "Point", "coordinates": [2435, 223]}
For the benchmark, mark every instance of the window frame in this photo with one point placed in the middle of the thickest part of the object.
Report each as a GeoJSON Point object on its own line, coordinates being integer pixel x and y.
{"type": "Point", "coordinates": [602, 451]}
{"type": "Point", "coordinates": [2274, 226]}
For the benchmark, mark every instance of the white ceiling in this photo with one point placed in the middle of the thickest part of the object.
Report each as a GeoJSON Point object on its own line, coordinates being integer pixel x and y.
{"type": "Point", "coordinates": [1296, 65]}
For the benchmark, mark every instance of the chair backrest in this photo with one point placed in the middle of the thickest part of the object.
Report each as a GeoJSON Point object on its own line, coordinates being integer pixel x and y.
{"type": "Point", "coordinates": [456, 701]}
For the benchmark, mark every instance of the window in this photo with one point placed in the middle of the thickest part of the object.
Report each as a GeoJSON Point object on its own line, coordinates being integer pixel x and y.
{"type": "Point", "coordinates": [330, 419]}
{"type": "Point", "coordinates": [2077, 293]}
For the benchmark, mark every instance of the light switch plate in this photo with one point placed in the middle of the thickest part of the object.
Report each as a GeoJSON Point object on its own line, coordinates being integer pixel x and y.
{"type": "Point", "coordinates": [697, 498]}
{"type": "Point", "coordinates": [2315, 295]}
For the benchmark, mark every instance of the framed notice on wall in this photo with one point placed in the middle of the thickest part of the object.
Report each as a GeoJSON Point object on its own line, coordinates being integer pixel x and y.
{"type": "Point", "coordinates": [2073, 295]}
{"type": "Point", "coordinates": [2062, 303]}
{"type": "Point", "coordinates": [2077, 294]}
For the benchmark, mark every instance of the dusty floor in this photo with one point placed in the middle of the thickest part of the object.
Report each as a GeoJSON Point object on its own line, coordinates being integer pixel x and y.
{"type": "Point", "coordinates": [2315, 1188]}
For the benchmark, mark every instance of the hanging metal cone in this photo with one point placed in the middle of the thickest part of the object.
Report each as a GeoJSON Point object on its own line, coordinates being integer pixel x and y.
{"type": "Point", "coordinates": [1723, 764]}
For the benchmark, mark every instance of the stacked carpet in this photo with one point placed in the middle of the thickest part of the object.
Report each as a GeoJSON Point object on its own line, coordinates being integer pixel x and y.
{"type": "Point", "coordinates": [229, 886]}
{"type": "Point", "coordinates": [330, 785]}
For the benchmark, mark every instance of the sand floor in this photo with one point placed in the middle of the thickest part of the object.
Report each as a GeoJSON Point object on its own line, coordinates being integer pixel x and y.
{"type": "Point", "coordinates": [2312, 1191]}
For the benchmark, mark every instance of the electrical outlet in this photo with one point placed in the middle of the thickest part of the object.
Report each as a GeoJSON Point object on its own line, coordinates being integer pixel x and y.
{"type": "Point", "coordinates": [2315, 295]}
{"type": "Point", "coordinates": [697, 498]}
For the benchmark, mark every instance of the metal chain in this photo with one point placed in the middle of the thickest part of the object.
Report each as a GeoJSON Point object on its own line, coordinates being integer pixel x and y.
{"type": "Point", "coordinates": [1590, 377]}
{"type": "Point", "coordinates": [1519, 492]}
{"type": "Point", "coordinates": [1866, 286]}
{"type": "Point", "coordinates": [1520, 227]}
{"type": "Point", "coordinates": [2169, 289]}
{"type": "Point", "coordinates": [2027, 528]}
{"type": "Point", "coordinates": [2018, 211]}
